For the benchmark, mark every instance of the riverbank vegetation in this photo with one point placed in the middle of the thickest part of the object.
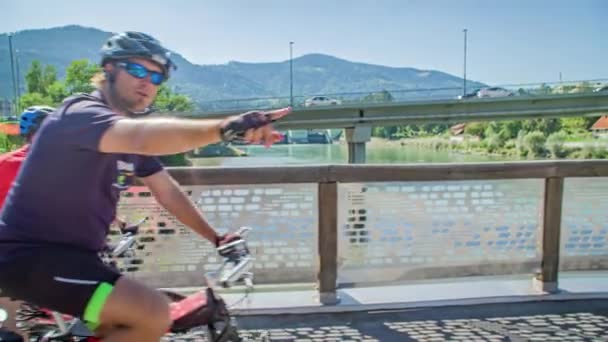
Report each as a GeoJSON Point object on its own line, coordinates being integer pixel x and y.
{"type": "Point", "coordinates": [568, 137]}
{"type": "Point", "coordinates": [522, 139]}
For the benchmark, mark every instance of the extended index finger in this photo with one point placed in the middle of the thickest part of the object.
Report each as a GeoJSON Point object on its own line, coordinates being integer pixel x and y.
{"type": "Point", "coordinates": [278, 113]}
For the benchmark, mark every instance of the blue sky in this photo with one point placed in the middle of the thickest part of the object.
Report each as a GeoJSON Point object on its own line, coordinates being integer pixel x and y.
{"type": "Point", "coordinates": [510, 41]}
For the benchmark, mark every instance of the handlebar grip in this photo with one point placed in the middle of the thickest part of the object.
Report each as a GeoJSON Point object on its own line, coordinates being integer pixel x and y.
{"type": "Point", "coordinates": [231, 248]}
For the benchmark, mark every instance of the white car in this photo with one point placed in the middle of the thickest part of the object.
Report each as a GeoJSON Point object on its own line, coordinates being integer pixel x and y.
{"type": "Point", "coordinates": [487, 92]}
{"type": "Point", "coordinates": [321, 101]}
{"type": "Point", "coordinates": [494, 92]}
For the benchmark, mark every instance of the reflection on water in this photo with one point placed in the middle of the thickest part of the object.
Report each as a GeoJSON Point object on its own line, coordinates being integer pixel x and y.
{"type": "Point", "coordinates": [338, 154]}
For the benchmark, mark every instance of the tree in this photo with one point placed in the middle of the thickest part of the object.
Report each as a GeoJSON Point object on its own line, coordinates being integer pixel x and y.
{"type": "Point", "coordinates": [38, 79]}
{"type": "Point", "coordinates": [574, 124]}
{"type": "Point", "coordinates": [534, 143]}
{"type": "Point", "coordinates": [494, 141]}
{"type": "Point", "coordinates": [546, 126]}
{"type": "Point", "coordinates": [78, 76]}
{"type": "Point", "coordinates": [386, 96]}
{"type": "Point", "coordinates": [33, 78]}
{"type": "Point", "coordinates": [386, 132]}
{"type": "Point", "coordinates": [555, 144]}
{"type": "Point", "coordinates": [167, 101]}
{"type": "Point", "coordinates": [476, 128]}
{"type": "Point", "coordinates": [57, 92]}
{"type": "Point", "coordinates": [510, 129]}
{"type": "Point", "coordinates": [433, 128]}
{"type": "Point", "coordinates": [394, 132]}
{"type": "Point", "coordinates": [493, 127]}
{"type": "Point", "coordinates": [49, 76]}
{"type": "Point", "coordinates": [34, 99]}
{"type": "Point", "coordinates": [520, 145]}
{"type": "Point", "coordinates": [380, 97]}
{"type": "Point", "coordinates": [42, 87]}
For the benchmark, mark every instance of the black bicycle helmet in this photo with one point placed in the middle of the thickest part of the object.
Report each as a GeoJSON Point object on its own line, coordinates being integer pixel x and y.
{"type": "Point", "coordinates": [136, 44]}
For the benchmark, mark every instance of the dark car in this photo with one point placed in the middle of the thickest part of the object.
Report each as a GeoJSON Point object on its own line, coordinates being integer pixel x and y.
{"type": "Point", "coordinates": [601, 89]}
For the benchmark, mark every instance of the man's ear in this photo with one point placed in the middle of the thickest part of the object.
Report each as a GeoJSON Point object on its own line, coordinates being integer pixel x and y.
{"type": "Point", "coordinates": [108, 67]}
{"type": "Point", "coordinates": [110, 72]}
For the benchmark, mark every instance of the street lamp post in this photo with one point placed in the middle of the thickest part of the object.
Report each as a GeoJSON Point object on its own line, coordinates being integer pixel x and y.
{"type": "Point", "coordinates": [10, 49]}
{"type": "Point", "coordinates": [18, 73]}
{"type": "Point", "coordinates": [464, 86]}
{"type": "Point", "coordinates": [291, 74]}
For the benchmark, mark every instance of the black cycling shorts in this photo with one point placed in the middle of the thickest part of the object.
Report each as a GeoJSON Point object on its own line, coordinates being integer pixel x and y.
{"type": "Point", "coordinates": [63, 279]}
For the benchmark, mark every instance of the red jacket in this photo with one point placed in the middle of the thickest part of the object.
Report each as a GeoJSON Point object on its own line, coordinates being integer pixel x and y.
{"type": "Point", "coordinates": [10, 163]}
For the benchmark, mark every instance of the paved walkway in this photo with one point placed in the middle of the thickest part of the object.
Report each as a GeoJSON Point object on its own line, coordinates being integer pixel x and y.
{"type": "Point", "coordinates": [465, 309]}
{"type": "Point", "coordinates": [585, 320]}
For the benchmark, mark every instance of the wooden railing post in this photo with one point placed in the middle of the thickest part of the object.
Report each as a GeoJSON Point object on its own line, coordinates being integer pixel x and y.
{"type": "Point", "coordinates": [547, 279]}
{"type": "Point", "coordinates": [328, 243]}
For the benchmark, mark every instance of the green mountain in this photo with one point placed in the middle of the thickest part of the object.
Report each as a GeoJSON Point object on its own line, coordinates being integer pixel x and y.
{"type": "Point", "coordinates": [313, 74]}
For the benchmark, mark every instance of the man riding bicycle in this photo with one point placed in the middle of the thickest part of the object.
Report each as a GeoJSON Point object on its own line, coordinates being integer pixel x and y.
{"type": "Point", "coordinates": [57, 215]}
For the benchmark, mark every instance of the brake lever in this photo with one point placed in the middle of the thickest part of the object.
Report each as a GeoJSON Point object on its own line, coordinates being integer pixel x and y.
{"type": "Point", "coordinates": [236, 272]}
{"type": "Point", "coordinates": [243, 231]}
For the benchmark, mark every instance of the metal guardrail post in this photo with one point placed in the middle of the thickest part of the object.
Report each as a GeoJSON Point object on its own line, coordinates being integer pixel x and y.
{"type": "Point", "coordinates": [328, 243]}
{"type": "Point", "coordinates": [547, 279]}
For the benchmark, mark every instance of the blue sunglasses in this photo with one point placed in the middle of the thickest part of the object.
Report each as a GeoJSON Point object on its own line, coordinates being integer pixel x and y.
{"type": "Point", "coordinates": [140, 71]}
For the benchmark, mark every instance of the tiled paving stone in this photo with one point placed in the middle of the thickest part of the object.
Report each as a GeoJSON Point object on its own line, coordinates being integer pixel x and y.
{"type": "Point", "coordinates": [542, 321]}
{"type": "Point", "coordinates": [321, 334]}
{"type": "Point", "coordinates": [576, 327]}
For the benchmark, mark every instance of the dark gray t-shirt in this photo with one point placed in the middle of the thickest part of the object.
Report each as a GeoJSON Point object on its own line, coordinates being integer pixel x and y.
{"type": "Point", "coordinates": [67, 191]}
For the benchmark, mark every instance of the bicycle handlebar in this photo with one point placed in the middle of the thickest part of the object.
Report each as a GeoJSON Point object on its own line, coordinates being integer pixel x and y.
{"type": "Point", "coordinates": [237, 259]}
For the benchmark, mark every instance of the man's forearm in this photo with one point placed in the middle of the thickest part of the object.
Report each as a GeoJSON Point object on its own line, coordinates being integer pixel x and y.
{"type": "Point", "coordinates": [159, 136]}
{"type": "Point", "coordinates": [169, 136]}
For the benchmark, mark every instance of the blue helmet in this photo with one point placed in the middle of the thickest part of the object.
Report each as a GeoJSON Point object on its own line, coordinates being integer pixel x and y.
{"type": "Point", "coordinates": [31, 119]}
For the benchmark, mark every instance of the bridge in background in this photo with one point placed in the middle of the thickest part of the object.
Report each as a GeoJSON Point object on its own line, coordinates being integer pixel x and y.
{"type": "Point", "coordinates": [443, 111]}
{"type": "Point", "coordinates": [358, 119]}
{"type": "Point", "coordinates": [400, 95]}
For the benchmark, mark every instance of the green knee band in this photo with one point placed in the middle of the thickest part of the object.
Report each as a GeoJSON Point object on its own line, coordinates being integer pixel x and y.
{"type": "Point", "coordinates": [95, 305]}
